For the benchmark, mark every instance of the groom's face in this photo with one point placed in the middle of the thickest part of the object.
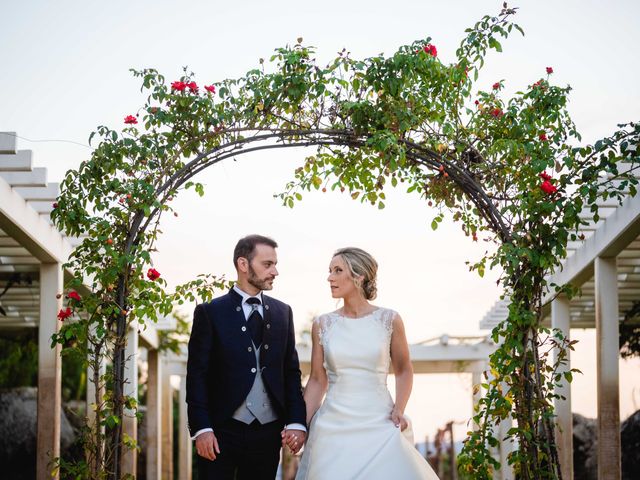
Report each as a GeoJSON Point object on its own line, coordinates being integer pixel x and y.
{"type": "Point", "coordinates": [262, 268]}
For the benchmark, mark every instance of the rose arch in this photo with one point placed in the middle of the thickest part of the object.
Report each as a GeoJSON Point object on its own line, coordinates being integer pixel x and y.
{"type": "Point", "coordinates": [507, 169]}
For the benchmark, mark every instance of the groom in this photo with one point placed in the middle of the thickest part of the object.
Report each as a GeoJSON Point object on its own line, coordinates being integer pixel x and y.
{"type": "Point", "coordinates": [243, 376]}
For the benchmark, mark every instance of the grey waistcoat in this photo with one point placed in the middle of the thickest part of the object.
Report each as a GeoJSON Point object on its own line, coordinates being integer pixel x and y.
{"type": "Point", "coordinates": [257, 405]}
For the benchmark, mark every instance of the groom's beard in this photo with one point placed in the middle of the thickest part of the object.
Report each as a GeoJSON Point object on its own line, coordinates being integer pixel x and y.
{"type": "Point", "coordinates": [260, 283]}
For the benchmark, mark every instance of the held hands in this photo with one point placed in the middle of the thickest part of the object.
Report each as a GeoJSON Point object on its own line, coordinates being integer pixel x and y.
{"type": "Point", "coordinates": [294, 439]}
{"type": "Point", "coordinates": [398, 419]}
{"type": "Point", "coordinates": [207, 445]}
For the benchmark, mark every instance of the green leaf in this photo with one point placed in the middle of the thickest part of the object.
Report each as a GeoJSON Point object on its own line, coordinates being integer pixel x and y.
{"type": "Point", "coordinates": [493, 43]}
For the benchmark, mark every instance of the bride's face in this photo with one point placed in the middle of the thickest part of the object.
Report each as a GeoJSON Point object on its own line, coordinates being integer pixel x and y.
{"type": "Point", "coordinates": [340, 279]}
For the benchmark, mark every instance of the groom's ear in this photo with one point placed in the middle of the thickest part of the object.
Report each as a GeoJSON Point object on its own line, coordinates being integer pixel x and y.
{"type": "Point", "coordinates": [242, 265]}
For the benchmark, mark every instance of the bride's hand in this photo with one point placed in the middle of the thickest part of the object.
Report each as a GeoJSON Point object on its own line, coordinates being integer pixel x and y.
{"type": "Point", "coordinates": [398, 419]}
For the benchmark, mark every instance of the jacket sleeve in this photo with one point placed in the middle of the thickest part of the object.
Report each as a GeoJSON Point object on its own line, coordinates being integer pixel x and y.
{"type": "Point", "coordinates": [295, 406]}
{"type": "Point", "coordinates": [198, 364]}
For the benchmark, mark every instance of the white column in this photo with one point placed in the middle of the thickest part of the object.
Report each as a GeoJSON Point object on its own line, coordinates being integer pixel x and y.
{"type": "Point", "coordinates": [607, 338]}
{"type": "Point", "coordinates": [560, 319]}
{"type": "Point", "coordinates": [91, 387]}
{"type": "Point", "coordinates": [49, 371]}
{"type": "Point", "coordinates": [167, 423]}
{"type": "Point", "coordinates": [477, 391]}
{"type": "Point", "coordinates": [506, 447]}
{"type": "Point", "coordinates": [154, 415]}
{"type": "Point", "coordinates": [130, 421]}
{"type": "Point", "coordinates": [184, 439]}
{"type": "Point", "coordinates": [91, 395]}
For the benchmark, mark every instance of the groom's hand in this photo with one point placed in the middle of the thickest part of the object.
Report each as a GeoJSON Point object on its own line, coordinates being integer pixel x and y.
{"type": "Point", "coordinates": [207, 445]}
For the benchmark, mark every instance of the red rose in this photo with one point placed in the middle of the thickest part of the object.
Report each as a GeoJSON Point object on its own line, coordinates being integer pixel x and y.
{"type": "Point", "coordinates": [54, 204]}
{"type": "Point", "coordinates": [431, 50]}
{"type": "Point", "coordinates": [130, 120]}
{"type": "Point", "coordinates": [549, 70]}
{"type": "Point", "coordinates": [210, 88]}
{"type": "Point", "coordinates": [73, 295]}
{"type": "Point", "coordinates": [548, 188]}
{"type": "Point", "coordinates": [477, 102]}
{"type": "Point", "coordinates": [496, 85]}
{"type": "Point", "coordinates": [179, 86]}
{"type": "Point", "coordinates": [153, 274]}
{"type": "Point", "coordinates": [193, 87]}
{"type": "Point", "coordinates": [545, 176]}
{"type": "Point", "coordinates": [66, 313]}
{"type": "Point", "coordinates": [540, 84]}
{"type": "Point", "coordinates": [497, 112]}
{"type": "Point", "coordinates": [543, 137]}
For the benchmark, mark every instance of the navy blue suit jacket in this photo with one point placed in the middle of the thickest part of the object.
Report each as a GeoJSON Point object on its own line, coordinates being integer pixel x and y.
{"type": "Point", "coordinates": [221, 366]}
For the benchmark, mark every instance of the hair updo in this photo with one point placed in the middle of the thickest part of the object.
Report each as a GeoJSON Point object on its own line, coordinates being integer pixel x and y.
{"type": "Point", "coordinates": [361, 263]}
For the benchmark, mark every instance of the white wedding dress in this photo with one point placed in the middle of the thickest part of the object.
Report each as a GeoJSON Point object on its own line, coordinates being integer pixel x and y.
{"type": "Point", "coordinates": [351, 436]}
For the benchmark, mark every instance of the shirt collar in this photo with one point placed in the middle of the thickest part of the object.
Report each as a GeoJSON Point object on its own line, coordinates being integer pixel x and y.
{"type": "Point", "coordinates": [245, 295]}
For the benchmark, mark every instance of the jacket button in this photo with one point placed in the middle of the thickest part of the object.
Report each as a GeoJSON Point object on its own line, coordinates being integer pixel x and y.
{"type": "Point", "coordinates": [268, 325]}
{"type": "Point", "coordinates": [266, 347]}
{"type": "Point", "coordinates": [253, 370]}
{"type": "Point", "coordinates": [248, 404]}
{"type": "Point", "coordinates": [244, 329]}
{"type": "Point", "coordinates": [249, 349]}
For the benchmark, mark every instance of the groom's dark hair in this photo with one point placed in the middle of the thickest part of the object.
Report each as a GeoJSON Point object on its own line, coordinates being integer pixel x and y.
{"type": "Point", "coordinates": [246, 247]}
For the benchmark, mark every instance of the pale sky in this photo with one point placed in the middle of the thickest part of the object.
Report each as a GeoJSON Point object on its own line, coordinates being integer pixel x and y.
{"type": "Point", "coordinates": [65, 70]}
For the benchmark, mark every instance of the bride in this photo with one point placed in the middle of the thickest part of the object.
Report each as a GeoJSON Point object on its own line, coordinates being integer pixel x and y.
{"type": "Point", "coordinates": [358, 432]}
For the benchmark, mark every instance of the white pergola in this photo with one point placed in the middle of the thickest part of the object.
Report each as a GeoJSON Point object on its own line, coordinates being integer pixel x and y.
{"type": "Point", "coordinates": [606, 265]}
{"type": "Point", "coordinates": [32, 252]}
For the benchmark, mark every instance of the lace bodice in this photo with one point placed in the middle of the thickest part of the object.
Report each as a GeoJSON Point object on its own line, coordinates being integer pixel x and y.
{"type": "Point", "coordinates": [325, 321]}
{"type": "Point", "coordinates": [356, 346]}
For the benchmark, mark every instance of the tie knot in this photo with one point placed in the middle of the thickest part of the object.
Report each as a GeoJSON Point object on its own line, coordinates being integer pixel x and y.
{"type": "Point", "coordinates": [253, 301]}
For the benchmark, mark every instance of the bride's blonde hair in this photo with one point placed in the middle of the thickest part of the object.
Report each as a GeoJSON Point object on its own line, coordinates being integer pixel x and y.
{"type": "Point", "coordinates": [361, 263]}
